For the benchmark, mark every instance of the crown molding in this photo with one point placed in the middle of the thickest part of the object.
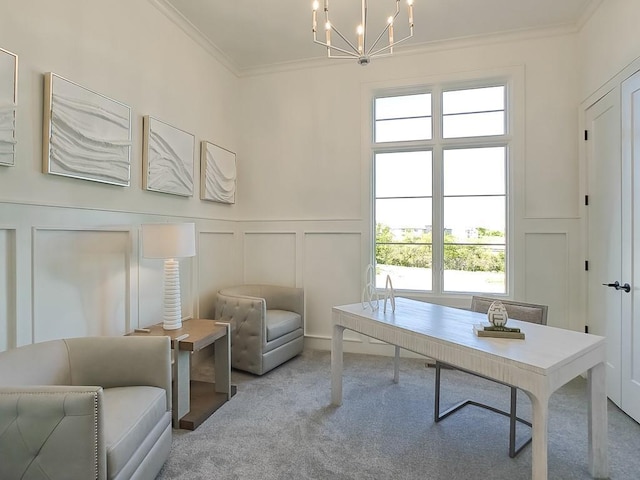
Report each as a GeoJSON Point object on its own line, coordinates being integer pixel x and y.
{"type": "Point", "coordinates": [588, 13]}
{"type": "Point", "coordinates": [424, 48]}
{"type": "Point", "coordinates": [196, 35]}
{"type": "Point", "coordinates": [322, 62]}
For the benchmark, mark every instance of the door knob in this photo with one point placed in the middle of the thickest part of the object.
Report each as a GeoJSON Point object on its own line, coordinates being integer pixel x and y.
{"type": "Point", "coordinates": [626, 287]}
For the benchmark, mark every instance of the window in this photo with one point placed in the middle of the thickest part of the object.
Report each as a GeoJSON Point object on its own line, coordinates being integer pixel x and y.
{"type": "Point", "coordinates": [440, 201]}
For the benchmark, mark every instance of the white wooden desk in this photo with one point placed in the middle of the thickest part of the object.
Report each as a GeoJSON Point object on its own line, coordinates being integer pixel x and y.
{"type": "Point", "coordinates": [547, 359]}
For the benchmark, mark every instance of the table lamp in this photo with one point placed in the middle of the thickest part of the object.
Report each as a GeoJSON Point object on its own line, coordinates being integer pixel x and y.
{"type": "Point", "coordinates": [170, 241]}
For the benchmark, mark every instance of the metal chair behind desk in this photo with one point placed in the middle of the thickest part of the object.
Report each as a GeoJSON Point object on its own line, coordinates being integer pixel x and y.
{"type": "Point", "coordinates": [526, 312]}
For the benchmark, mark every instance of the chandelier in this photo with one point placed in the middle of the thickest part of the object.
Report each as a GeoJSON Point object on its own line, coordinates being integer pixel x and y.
{"type": "Point", "coordinates": [362, 52]}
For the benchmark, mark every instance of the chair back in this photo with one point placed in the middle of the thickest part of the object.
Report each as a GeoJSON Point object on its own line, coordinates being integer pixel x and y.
{"type": "Point", "coordinates": [526, 312]}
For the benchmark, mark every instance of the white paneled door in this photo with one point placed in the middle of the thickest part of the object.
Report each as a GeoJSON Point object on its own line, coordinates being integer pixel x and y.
{"type": "Point", "coordinates": [630, 348]}
{"type": "Point", "coordinates": [604, 223]}
{"type": "Point", "coordinates": [613, 219]}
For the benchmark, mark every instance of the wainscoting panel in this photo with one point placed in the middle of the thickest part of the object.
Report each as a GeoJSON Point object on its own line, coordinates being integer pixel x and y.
{"type": "Point", "coordinates": [332, 267]}
{"type": "Point", "coordinates": [270, 258]}
{"type": "Point", "coordinates": [81, 282]}
{"type": "Point", "coordinates": [7, 287]}
{"type": "Point", "coordinates": [546, 273]}
{"type": "Point", "coordinates": [218, 267]}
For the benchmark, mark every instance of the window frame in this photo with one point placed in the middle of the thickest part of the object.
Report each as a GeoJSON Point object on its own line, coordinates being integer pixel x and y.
{"type": "Point", "coordinates": [437, 144]}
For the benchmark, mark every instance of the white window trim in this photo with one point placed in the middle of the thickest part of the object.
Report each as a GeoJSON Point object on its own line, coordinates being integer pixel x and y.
{"type": "Point", "coordinates": [513, 78]}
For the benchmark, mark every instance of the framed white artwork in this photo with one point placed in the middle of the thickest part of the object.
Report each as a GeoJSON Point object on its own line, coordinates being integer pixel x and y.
{"type": "Point", "coordinates": [217, 173]}
{"type": "Point", "coordinates": [86, 135]}
{"type": "Point", "coordinates": [8, 106]}
{"type": "Point", "coordinates": [167, 158]}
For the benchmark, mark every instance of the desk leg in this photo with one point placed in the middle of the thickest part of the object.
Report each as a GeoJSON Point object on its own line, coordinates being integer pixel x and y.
{"type": "Point", "coordinates": [181, 389]}
{"type": "Point", "coordinates": [540, 436]}
{"type": "Point", "coordinates": [396, 365]}
{"type": "Point", "coordinates": [336, 365]}
{"type": "Point", "coordinates": [598, 460]}
{"type": "Point", "coordinates": [222, 358]}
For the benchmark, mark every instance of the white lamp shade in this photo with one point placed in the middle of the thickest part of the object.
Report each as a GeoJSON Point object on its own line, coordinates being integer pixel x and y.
{"type": "Point", "coordinates": [168, 240]}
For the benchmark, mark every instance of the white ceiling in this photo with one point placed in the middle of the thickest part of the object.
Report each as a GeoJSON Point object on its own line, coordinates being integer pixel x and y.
{"type": "Point", "coordinates": [257, 33]}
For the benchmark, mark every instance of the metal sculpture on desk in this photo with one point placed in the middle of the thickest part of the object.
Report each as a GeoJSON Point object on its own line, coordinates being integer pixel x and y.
{"type": "Point", "coordinates": [369, 292]}
{"type": "Point", "coordinates": [389, 294]}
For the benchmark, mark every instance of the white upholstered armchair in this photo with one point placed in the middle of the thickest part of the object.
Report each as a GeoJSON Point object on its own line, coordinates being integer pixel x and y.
{"type": "Point", "coordinates": [86, 408]}
{"type": "Point", "coordinates": [267, 324]}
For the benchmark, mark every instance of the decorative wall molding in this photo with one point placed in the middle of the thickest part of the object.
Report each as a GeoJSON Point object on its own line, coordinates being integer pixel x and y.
{"type": "Point", "coordinates": [331, 262]}
{"type": "Point", "coordinates": [81, 281]}
{"type": "Point", "coordinates": [270, 257]}
{"type": "Point", "coordinates": [8, 287]}
{"type": "Point", "coordinates": [546, 252]}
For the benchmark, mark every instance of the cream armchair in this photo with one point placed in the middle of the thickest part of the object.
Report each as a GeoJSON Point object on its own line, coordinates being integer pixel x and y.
{"type": "Point", "coordinates": [81, 408]}
{"type": "Point", "coordinates": [267, 325]}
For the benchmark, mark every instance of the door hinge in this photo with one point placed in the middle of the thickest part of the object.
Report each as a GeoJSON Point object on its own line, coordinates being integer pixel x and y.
{"type": "Point", "coordinates": [586, 329]}
{"type": "Point", "coordinates": [586, 134]}
{"type": "Point", "coordinates": [586, 265]}
{"type": "Point", "coordinates": [586, 199]}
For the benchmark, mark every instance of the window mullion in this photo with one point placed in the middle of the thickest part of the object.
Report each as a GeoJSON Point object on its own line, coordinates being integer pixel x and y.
{"type": "Point", "coordinates": [437, 203]}
{"type": "Point", "coordinates": [437, 228]}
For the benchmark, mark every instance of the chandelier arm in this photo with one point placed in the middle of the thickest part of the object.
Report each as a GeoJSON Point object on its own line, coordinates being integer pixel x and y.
{"type": "Point", "coordinates": [355, 50]}
{"type": "Point", "coordinates": [385, 30]}
{"type": "Point", "coordinates": [332, 47]}
{"type": "Point", "coordinates": [387, 47]}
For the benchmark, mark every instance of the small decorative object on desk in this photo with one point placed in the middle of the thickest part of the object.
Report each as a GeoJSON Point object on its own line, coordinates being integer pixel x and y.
{"type": "Point", "coordinates": [497, 316]}
{"type": "Point", "coordinates": [389, 294]}
{"type": "Point", "coordinates": [369, 292]}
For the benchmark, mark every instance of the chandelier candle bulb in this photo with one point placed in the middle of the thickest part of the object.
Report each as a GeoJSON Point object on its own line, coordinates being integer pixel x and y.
{"type": "Point", "coordinates": [410, 3]}
{"type": "Point", "coordinates": [314, 16]}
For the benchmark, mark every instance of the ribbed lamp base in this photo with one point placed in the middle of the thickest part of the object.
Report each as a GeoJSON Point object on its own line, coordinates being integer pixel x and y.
{"type": "Point", "coordinates": [172, 307]}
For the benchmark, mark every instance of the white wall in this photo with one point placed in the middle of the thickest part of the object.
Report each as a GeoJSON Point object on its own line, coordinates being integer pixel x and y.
{"type": "Point", "coordinates": [69, 256]}
{"type": "Point", "coordinates": [306, 168]}
{"type": "Point", "coordinates": [608, 42]}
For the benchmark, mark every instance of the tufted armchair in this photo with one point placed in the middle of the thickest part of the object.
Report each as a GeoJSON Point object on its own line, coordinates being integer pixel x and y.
{"type": "Point", "coordinates": [267, 325]}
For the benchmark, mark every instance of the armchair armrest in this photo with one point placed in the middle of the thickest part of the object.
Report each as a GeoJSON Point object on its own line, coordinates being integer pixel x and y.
{"type": "Point", "coordinates": [284, 298]}
{"type": "Point", "coordinates": [121, 362]}
{"type": "Point", "coordinates": [52, 432]}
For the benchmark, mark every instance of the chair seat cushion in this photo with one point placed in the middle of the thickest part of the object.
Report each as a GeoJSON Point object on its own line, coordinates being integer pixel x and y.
{"type": "Point", "coordinates": [133, 412]}
{"type": "Point", "coordinates": [281, 322]}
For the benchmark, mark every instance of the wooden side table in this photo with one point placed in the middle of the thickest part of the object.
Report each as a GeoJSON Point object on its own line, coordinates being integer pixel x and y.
{"type": "Point", "coordinates": [195, 401]}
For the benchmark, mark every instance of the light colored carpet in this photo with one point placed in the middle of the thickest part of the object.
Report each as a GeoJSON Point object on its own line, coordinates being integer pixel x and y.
{"type": "Point", "coordinates": [282, 426]}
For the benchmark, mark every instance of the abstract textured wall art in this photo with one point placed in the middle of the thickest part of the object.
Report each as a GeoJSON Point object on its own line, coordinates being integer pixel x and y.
{"type": "Point", "coordinates": [167, 158]}
{"type": "Point", "coordinates": [8, 105]}
{"type": "Point", "coordinates": [217, 174]}
{"type": "Point", "coordinates": [86, 135]}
